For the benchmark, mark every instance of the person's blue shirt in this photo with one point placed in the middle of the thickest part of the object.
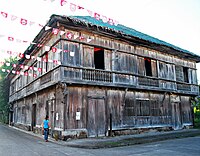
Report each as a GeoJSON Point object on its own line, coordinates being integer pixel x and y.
{"type": "Point", "coordinates": [46, 123]}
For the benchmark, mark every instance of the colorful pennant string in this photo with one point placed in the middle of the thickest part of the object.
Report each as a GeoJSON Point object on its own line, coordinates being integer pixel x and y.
{"type": "Point", "coordinates": [72, 7]}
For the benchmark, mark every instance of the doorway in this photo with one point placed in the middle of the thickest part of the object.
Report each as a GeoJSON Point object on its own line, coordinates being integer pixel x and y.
{"type": "Point", "coordinates": [176, 116]}
{"type": "Point", "coordinates": [99, 58]}
{"type": "Point", "coordinates": [33, 122]}
{"type": "Point", "coordinates": [96, 120]}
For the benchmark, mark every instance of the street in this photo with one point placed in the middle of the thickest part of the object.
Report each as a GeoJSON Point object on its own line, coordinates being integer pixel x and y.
{"type": "Point", "coordinates": [16, 143]}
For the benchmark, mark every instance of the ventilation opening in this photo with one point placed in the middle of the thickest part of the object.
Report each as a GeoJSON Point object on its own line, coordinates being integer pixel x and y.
{"type": "Point", "coordinates": [99, 58]}
{"type": "Point", "coordinates": [148, 67]}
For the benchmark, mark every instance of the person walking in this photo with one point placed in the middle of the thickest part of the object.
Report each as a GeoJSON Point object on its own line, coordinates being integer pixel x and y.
{"type": "Point", "coordinates": [45, 127]}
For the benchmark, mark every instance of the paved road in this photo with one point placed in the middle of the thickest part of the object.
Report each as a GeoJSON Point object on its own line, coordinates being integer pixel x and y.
{"type": "Point", "coordinates": [17, 143]}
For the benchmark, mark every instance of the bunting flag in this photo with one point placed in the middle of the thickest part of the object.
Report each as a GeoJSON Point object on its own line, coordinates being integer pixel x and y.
{"type": "Point", "coordinates": [55, 31]}
{"type": "Point", "coordinates": [72, 7]}
{"type": "Point", "coordinates": [98, 16]}
{"type": "Point", "coordinates": [63, 2]}
{"type": "Point", "coordinates": [25, 67]}
{"type": "Point", "coordinates": [19, 72]}
{"type": "Point", "coordinates": [22, 21]}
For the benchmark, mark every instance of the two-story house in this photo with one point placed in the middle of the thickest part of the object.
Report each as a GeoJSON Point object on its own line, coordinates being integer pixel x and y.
{"type": "Point", "coordinates": [92, 77]}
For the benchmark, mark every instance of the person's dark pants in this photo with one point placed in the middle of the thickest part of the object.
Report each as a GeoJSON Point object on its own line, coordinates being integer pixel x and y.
{"type": "Point", "coordinates": [46, 131]}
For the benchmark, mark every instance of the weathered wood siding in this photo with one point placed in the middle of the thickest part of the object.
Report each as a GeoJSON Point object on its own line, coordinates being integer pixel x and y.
{"type": "Point", "coordinates": [137, 86]}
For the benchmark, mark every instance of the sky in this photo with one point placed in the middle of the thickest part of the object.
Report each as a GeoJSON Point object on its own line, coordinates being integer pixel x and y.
{"type": "Point", "coordinates": [174, 21]}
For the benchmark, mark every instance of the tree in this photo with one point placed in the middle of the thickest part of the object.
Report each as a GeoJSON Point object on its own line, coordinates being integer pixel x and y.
{"type": "Point", "coordinates": [4, 89]}
{"type": "Point", "coordinates": [196, 106]}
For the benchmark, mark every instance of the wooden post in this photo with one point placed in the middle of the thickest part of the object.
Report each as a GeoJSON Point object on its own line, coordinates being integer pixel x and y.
{"type": "Point", "coordinates": [110, 132]}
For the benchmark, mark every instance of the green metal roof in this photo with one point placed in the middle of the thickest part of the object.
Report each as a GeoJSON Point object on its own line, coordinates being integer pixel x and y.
{"type": "Point", "coordinates": [130, 31]}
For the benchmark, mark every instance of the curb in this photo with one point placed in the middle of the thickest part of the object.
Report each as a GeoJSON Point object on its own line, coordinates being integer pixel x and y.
{"type": "Point", "coordinates": [134, 140]}
{"type": "Point", "coordinates": [118, 141]}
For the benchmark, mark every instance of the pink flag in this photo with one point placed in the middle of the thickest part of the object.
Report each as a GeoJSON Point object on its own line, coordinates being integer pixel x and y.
{"type": "Point", "coordinates": [81, 38]}
{"type": "Point", "coordinates": [4, 14]}
{"type": "Point", "coordinates": [25, 73]}
{"type": "Point", "coordinates": [63, 2]}
{"type": "Point", "coordinates": [21, 55]}
{"type": "Point", "coordinates": [40, 69]}
{"type": "Point", "coordinates": [80, 7]}
{"type": "Point", "coordinates": [9, 52]}
{"type": "Point", "coordinates": [110, 21]}
{"type": "Point", "coordinates": [39, 45]}
{"type": "Point", "coordinates": [22, 66]}
{"type": "Point", "coordinates": [10, 38]}
{"type": "Point", "coordinates": [55, 61]}
{"type": "Point", "coordinates": [54, 49]}
{"type": "Point", "coordinates": [23, 21]}
{"type": "Point", "coordinates": [40, 25]}
{"type": "Point", "coordinates": [69, 35]}
{"type": "Point", "coordinates": [97, 16]}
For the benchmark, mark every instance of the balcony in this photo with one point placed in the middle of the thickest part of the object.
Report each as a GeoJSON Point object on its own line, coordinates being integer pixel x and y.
{"type": "Point", "coordinates": [114, 78]}
{"type": "Point", "coordinates": [78, 75]}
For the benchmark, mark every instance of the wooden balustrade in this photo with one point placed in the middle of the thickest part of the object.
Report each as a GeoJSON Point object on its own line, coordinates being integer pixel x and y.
{"type": "Point", "coordinates": [183, 87]}
{"type": "Point", "coordinates": [144, 81]}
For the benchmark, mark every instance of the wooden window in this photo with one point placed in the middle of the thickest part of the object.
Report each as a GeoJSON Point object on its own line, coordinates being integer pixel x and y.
{"type": "Point", "coordinates": [23, 110]}
{"type": "Point", "coordinates": [147, 67]}
{"type": "Point", "coordinates": [129, 109]}
{"type": "Point", "coordinates": [192, 76]}
{"type": "Point", "coordinates": [45, 63]}
{"type": "Point", "coordinates": [155, 110]}
{"type": "Point", "coordinates": [71, 54]}
{"type": "Point", "coordinates": [20, 82]}
{"type": "Point", "coordinates": [88, 57]}
{"type": "Point", "coordinates": [12, 88]}
{"type": "Point", "coordinates": [179, 73]}
{"type": "Point", "coordinates": [142, 107]}
{"type": "Point", "coordinates": [182, 74]}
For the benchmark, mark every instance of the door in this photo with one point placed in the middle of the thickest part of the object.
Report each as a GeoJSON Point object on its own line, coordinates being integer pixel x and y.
{"type": "Point", "coordinates": [96, 123]}
{"type": "Point", "coordinates": [33, 122]}
{"type": "Point", "coordinates": [176, 116]}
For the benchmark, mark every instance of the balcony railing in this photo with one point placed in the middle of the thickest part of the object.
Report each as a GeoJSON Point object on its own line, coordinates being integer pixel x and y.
{"type": "Point", "coordinates": [87, 74]}
{"type": "Point", "coordinates": [143, 81]}
{"type": "Point", "coordinates": [117, 78]}
{"type": "Point", "coordinates": [111, 78]}
{"type": "Point", "coordinates": [96, 75]}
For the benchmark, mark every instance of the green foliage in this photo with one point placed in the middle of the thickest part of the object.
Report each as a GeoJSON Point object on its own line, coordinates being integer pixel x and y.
{"type": "Point", "coordinates": [196, 106]}
{"type": "Point", "coordinates": [197, 119]}
{"type": "Point", "coordinates": [4, 90]}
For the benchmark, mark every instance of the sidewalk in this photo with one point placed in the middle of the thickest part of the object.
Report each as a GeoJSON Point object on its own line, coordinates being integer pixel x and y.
{"type": "Point", "coordinates": [125, 140]}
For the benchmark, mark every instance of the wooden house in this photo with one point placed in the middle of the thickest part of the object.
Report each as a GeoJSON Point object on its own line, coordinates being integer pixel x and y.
{"type": "Point", "coordinates": [93, 78]}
